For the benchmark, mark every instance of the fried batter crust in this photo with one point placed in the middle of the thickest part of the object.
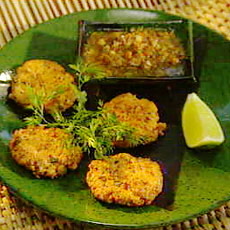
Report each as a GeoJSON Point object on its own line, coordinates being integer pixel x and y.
{"type": "Point", "coordinates": [48, 80]}
{"type": "Point", "coordinates": [140, 114]}
{"type": "Point", "coordinates": [47, 152]}
{"type": "Point", "coordinates": [125, 180]}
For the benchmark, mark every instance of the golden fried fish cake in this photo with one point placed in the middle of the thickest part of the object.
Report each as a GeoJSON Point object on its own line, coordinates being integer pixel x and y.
{"type": "Point", "coordinates": [125, 180]}
{"type": "Point", "coordinates": [48, 80]}
{"type": "Point", "coordinates": [47, 152]}
{"type": "Point", "coordinates": [140, 114]}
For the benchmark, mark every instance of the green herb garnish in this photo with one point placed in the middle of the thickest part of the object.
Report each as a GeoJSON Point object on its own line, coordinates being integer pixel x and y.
{"type": "Point", "coordinates": [37, 101]}
{"type": "Point", "coordinates": [86, 71]}
{"type": "Point", "coordinates": [37, 105]}
{"type": "Point", "coordinates": [93, 131]}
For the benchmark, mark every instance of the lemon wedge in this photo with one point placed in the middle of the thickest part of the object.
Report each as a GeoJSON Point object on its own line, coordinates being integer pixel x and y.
{"type": "Point", "coordinates": [200, 125]}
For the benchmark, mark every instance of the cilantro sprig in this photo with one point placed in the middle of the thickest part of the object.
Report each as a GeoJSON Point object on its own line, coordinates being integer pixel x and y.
{"type": "Point", "coordinates": [93, 131]}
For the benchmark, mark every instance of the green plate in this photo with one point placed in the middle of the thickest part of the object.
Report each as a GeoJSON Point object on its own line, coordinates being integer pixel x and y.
{"type": "Point", "coordinates": [204, 181]}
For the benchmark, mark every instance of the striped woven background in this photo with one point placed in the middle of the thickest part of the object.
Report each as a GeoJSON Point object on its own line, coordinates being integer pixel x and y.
{"type": "Point", "coordinates": [17, 16]}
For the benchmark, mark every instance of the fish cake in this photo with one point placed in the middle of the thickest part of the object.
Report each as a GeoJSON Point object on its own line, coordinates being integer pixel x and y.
{"type": "Point", "coordinates": [48, 80]}
{"type": "Point", "coordinates": [141, 114]}
{"type": "Point", "coordinates": [125, 179]}
{"type": "Point", "coordinates": [47, 152]}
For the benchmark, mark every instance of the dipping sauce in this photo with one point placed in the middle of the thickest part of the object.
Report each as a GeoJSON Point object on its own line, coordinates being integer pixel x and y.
{"type": "Point", "coordinates": [140, 52]}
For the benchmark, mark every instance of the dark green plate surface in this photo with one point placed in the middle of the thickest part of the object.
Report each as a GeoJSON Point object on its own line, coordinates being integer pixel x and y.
{"type": "Point", "coordinates": [204, 181]}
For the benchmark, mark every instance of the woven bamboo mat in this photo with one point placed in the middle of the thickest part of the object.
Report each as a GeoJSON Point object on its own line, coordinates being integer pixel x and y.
{"type": "Point", "coordinates": [17, 16]}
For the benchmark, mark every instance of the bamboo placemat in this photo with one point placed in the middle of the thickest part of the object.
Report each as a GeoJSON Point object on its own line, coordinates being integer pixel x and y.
{"type": "Point", "coordinates": [17, 16]}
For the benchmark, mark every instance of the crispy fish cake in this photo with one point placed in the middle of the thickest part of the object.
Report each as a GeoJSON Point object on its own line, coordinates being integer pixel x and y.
{"type": "Point", "coordinates": [47, 152]}
{"type": "Point", "coordinates": [48, 80]}
{"type": "Point", "coordinates": [140, 114]}
{"type": "Point", "coordinates": [125, 180]}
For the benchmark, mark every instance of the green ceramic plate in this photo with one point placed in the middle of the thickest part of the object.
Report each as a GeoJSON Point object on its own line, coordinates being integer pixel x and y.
{"type": "Point", "coordinates": [204, 181]}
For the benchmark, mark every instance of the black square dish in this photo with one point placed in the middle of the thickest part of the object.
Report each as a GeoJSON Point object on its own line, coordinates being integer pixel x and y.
{"type": "Point", "coordinates": [154, 50]}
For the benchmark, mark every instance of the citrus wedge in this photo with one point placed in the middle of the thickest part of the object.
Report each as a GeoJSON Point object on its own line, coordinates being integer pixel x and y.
{"type": "Point", "coordinates": [200, 125]}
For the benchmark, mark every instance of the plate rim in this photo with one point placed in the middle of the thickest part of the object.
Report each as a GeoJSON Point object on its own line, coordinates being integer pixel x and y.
{"type": "Point", "coordinates": [34, 204]}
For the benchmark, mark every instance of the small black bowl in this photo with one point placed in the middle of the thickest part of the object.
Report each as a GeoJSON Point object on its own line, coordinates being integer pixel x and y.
{"type": "Point", "coordinates": [183, 30]}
